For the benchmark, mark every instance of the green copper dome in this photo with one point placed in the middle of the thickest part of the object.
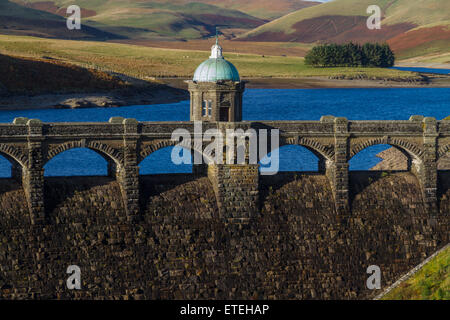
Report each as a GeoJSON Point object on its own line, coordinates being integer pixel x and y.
{"type": "Point", "coordinates": [213, 70]}
{"type": "Point", "coordinates": [216, 68]}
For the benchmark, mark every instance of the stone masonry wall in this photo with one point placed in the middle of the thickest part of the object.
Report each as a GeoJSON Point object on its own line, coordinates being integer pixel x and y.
{"type": "Point", "coordinates": [296, 247]}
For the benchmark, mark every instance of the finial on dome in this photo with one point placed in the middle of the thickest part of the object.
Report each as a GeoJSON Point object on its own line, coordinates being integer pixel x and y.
{"type": "Point", "coordinates": [217, 36]}
{"type": "Point", "coordinates": [216, 50]}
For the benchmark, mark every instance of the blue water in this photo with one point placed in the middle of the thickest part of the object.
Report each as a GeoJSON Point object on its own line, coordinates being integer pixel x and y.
{"type": "Point", "coordinates": [426, 70]}
{"type": "Point", "coordinates": [259, 104]}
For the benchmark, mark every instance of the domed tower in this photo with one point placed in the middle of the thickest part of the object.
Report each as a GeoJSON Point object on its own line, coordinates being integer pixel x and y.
{"type": "Point", "coordinates": [216, 90]}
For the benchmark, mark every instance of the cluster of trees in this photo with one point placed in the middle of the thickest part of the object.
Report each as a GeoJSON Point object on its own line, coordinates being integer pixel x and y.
{"type": "Point", "coordinates": [351, 55]}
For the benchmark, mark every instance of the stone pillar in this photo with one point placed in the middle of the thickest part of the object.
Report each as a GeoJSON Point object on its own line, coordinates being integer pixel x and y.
{"type": "Point", "coordinates": [236, 180]}
{"type": "Point", "coordinates": [337, 171]}
{"type": "Point", "coordinates": [237, 190]}
{"type": "Point", "coordinates": [128, 174]}
{"type": "Point", "coordinates": [426, 170]}
{"type": "Point", "coordinates": [33, 175]}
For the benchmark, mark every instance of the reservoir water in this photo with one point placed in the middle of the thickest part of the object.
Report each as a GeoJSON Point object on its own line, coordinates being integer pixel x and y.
{"type": "Point", "coordinates": [426, 70]}
{"type": "Point", "coordinates": [259, 104]}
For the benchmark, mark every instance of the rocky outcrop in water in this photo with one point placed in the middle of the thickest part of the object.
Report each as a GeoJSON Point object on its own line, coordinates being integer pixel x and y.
{"type": "Point", "coordinates": [395, 160]}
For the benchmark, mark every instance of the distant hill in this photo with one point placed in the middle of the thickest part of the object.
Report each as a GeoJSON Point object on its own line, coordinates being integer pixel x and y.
{"type": "Point", "coordinates": [16, 19]}
{"type": "Point", "coordinates": [411, 27]}
{"type": "Point", "coordinates": [264, 9]}
{"type": "Point", "coordinates": [164, 19]}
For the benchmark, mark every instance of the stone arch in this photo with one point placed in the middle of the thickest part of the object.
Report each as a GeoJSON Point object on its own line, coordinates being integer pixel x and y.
{"type": "Point", "coordinates": [157, 145]}
{"type": "Point", "coordinates": [411, 149]}
{"type": "Point", "coordinates": [107, 152]}
{"type": "Point", "coordinates": [315, 147]}
{"type": "Point", "coordinates": [442, 151]}
{"type": "Point", "coordinates": [443, 159]}
{"type": "Point", "coordinates": [13, 155]}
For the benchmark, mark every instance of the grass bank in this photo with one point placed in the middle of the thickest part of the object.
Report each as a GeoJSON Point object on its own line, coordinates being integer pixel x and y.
{"type": "Point", "coordinates": [147, 62]}
{"type": "Point", "coordinates": [432, 282]}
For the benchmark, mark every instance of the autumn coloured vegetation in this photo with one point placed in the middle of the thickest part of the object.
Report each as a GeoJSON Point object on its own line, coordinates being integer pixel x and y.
{"type": "Point", "coordinates": [37, 76]}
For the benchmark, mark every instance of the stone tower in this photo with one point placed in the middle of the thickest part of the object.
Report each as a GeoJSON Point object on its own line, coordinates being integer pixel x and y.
{"type": "Point", "coordinates": [216, 90]}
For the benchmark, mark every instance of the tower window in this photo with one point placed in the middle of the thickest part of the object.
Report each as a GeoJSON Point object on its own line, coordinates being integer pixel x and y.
{"type": "Point", "coordinates": [206, 108]}
{"type": "Point", "coordinates": [209, 108]}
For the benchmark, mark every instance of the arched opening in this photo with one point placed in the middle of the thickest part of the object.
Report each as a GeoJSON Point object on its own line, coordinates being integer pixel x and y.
{"type": "Point", "coordinates": [382, 169]}
{"type": "Point", "coordinates": [444, 162]}
{"type": "Point", "coordinates": [380, 157]}
{"type": "Point", "coordinates": [291, 158]}
{"type": "Point", "coordinates": [298, 166]}
{"type": "Point", "coordinates": [160, 162]}
{"type": "Point", "coordinates": [77, 162]}
{"type": "Point", "coordinates": [5, 167]}
{"type": "Point", "coordinates": [10, 167]}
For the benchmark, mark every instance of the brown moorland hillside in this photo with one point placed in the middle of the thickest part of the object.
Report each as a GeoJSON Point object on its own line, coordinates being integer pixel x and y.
{"type": "Point", "coordinates": [36, 76]}
{"type": "Point", "coordinates": [49, 6]}
{"type": "Point", "coordinates": [426, 40]}
{"type": "Point", "coordinates": [263, 9]}
{"type": "Point", "coordinates": [412, 28]}
{"type": "Point", "coordinates": [339, 29]}
{"type": "Point", "coordinates": [16, 19]}
{"type": "Point", "coordinates": [140, 19]}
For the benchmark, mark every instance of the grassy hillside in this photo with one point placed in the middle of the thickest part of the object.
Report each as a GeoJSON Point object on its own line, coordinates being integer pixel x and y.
{"type": "Point", "coordinates": [345, 20]}
{"type": "Point", "coordinates": [432, 282]}
{"type": "Point", "coordinates": [419, 13]}
{"type": "Point", "coordinates": [263, 9]}
{"type": "Point", "coordinates": [144, 62]}
{"type": "Point", "coordinates": [430, 42]}
{"type": "Point", "coordinates": [139, 19]}
{"type": "Point", "coordinates": [18, 20]}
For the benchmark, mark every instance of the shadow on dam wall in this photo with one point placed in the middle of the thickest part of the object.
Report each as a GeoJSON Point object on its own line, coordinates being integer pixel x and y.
{"type": "Point", "coordinates": [297, 248]}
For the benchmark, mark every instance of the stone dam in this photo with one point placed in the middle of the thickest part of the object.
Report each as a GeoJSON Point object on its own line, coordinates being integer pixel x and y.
{"type": "Point", "coordinates": [224, 231]}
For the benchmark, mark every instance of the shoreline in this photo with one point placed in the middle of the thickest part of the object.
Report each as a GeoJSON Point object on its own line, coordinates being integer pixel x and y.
{"type": "Point", "coordinates": [434, 81]}
{"type": "Point", "coordinates": [325, 83]}
{"type": "Point", "coordinates": [174, 90]}
{"type": "Point", "coordinates": [112, 99]}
